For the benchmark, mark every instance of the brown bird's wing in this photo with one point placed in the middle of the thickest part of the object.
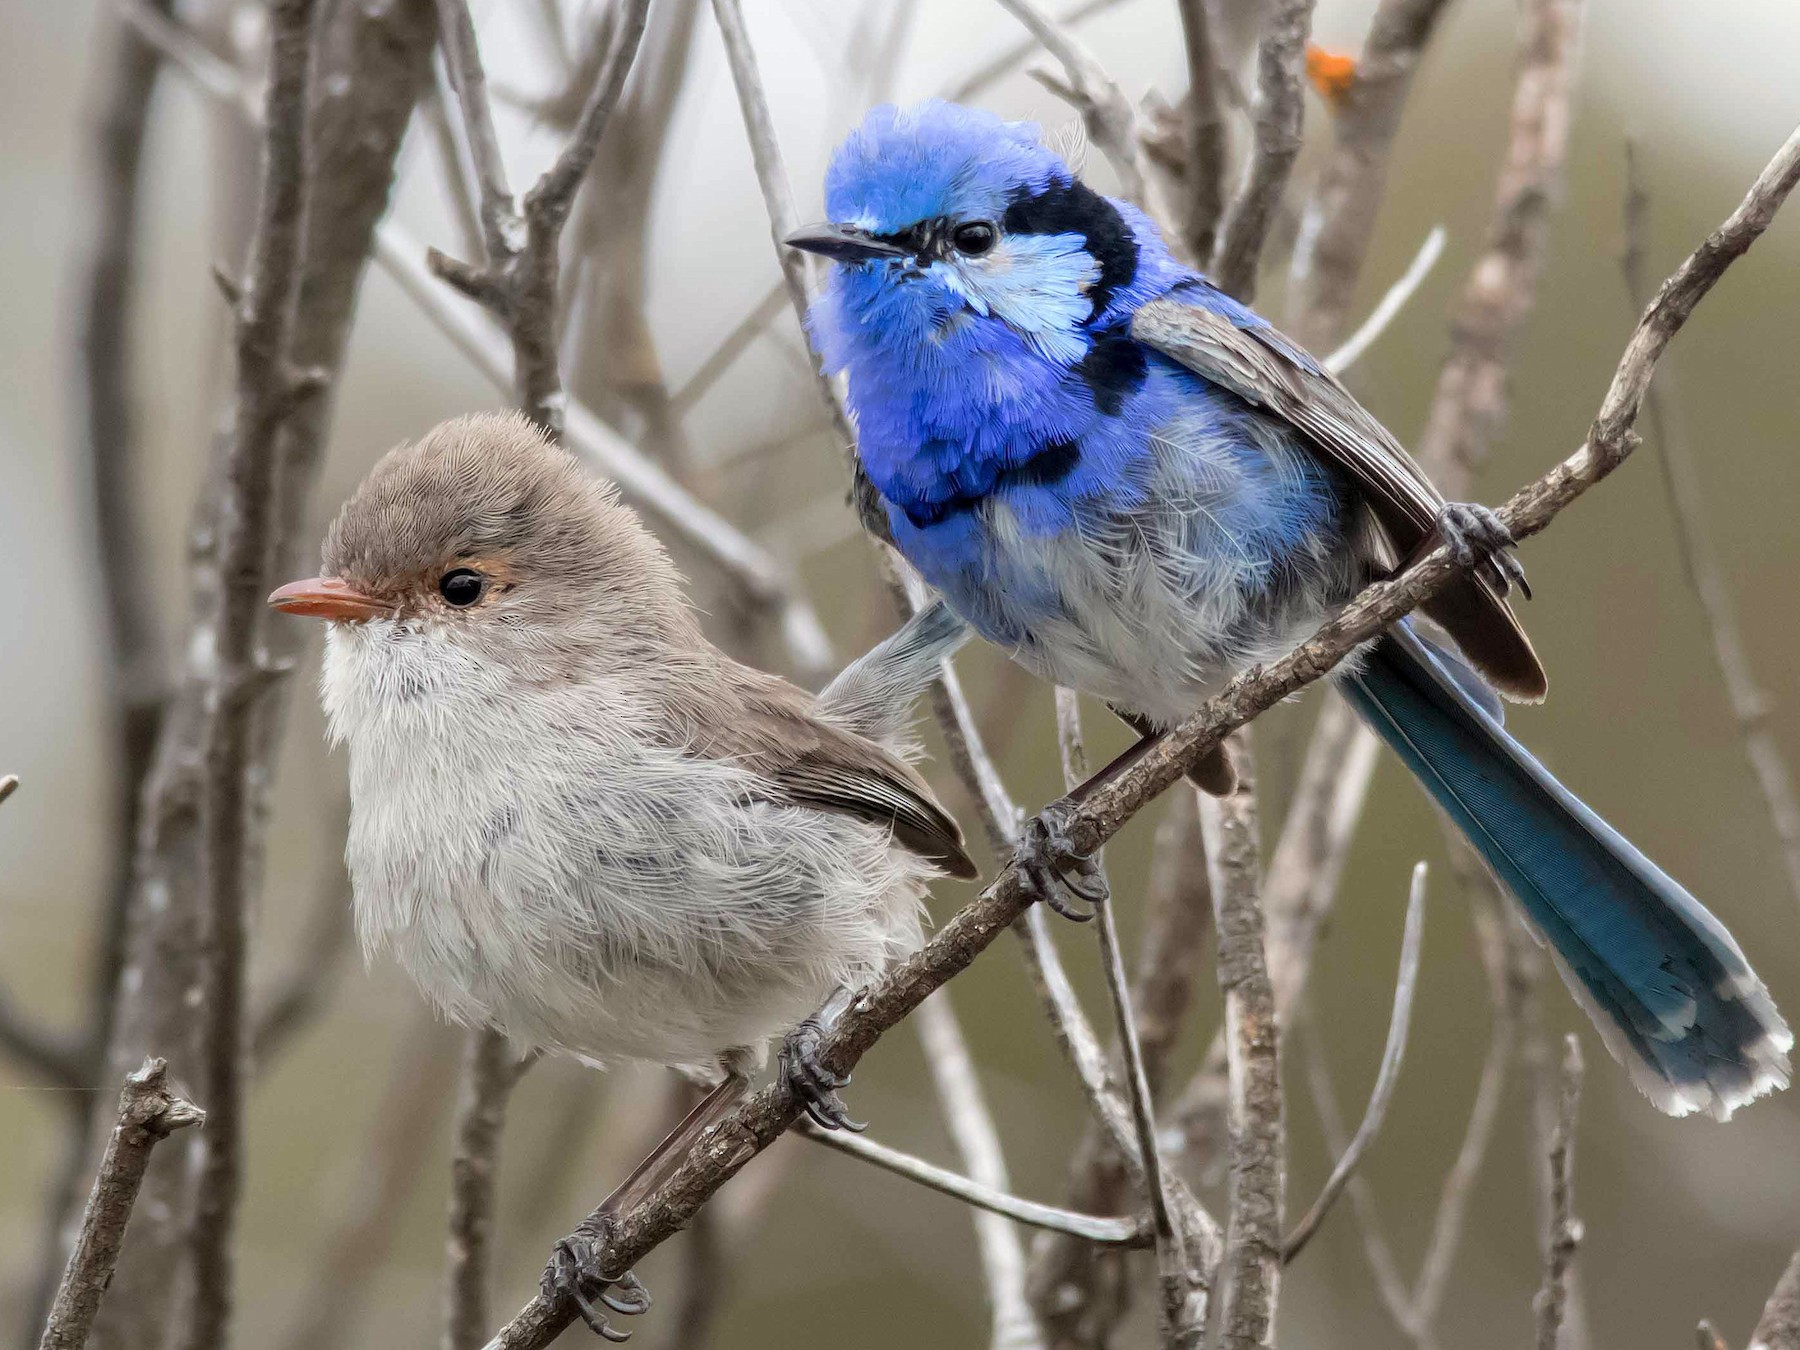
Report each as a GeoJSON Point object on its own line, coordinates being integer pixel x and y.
{"type": "Point", "coordinates": [809, 762]}
{"type": "Point", "coordinates": [1268, 371]}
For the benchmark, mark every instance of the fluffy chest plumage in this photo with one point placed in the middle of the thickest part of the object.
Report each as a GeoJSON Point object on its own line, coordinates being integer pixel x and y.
{"type": "Point", "coordinates": [536, 861]}
{"type": "Point", "coordinates": [1120, 524]}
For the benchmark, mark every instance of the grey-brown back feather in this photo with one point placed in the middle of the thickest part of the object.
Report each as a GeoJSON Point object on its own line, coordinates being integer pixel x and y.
{"type": "Point", "coordinates": [1266, 370]}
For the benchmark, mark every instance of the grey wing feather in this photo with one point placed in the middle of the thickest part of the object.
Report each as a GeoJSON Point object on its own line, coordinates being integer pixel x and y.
{"type": "Point", "coordinates": [1269, 372]}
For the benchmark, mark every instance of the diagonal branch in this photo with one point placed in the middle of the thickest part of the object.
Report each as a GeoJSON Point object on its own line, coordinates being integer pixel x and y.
{"type": "Point", "coordinates": [1103, 811]}
{"type": "Point", "coordinates": [1565, 1228]}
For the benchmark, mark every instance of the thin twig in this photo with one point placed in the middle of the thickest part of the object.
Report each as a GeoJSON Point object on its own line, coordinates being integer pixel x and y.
{"type": "Point", "coordinates": [491, 1070]}
{"type": "Point", "coordinates": [1350, 351]}
{"type": "Point", "coordinates": [1339, 220]}
{"type": "Point", "coordinates": [384, 1173]}
{"type": "Point", "coordinates": [767, 1114]}
{"type": "Point", "coordinates": [148, 1114]}
{"type": "Point", "coordinates": [1206, 142]}
{"type": "Point", "coordinates": [1392, 1055]}
{"type": "Point", "coordinates": [1565, 1228]}
{"type": "Point", "coordinates": [1470, 404]}
{"type": "Point", "coordinates": [1112, 122]}
{"type": "Point", "coordinates": [977, 1139]}
{"type": "Point", "coordinates": [270, 387]}
{"type": "Point", "coordinates": [519, 282]}
{"type": "Point", "coordinates": [1750, 703]}
{"type": "Point", "coordinates": [1252, 1280]}
{"type": "Point", "coordinates": [1008, 59]}
{"type": "Point", "coordinates": [1277, 120]}
{"type": "Point", "coordinates": [1088, 1227]}
{"type": "Point", "coordinates": [1779, 1327]}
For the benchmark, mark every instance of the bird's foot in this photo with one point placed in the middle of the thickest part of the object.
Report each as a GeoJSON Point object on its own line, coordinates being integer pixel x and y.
{"type": "Point", "coordinates": [1477, 538]}
{"type": "Point", "coordinates": [576, 1273]}
{"type": "Point", "coordinates": [1055, 871]}
{"type": "Point", "coordinates": [814, 1086]}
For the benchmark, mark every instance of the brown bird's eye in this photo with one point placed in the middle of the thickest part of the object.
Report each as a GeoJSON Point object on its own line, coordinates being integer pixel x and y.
{"type": "Point", "coordinates": [461, 587]}
{"type": "Point", "coordinates": [974, 237]}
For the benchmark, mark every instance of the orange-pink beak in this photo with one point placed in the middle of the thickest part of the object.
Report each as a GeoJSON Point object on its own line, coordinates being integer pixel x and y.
{"type": "Point", "coordinates": [329, 598]}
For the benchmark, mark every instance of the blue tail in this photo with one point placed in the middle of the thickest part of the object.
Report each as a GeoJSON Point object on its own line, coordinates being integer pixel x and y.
{"type": "Point", "coordinates": [1669, 990]}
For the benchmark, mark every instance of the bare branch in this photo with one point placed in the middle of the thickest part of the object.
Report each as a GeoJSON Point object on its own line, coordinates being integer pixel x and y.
{"type": "Point", "coordinates": [1112, 122]}
{"type": "Point", "coordinates": [268, 393]}
{"type": "Point", "coordinates": [997, 67]}
{"type": "Point", "coordinates": [1350, 351]}
{"type": "Point", "coordinates": [978, 1141]}
{"type": "Point", "coordinates": [490, 1072]}
{"type": "Point", "coordinates": [1340, 218]}
{"type": "Point", "coordinates": [1470, 404]}
{"type": "Point", "coordinates": [1252, 1280]}
{"type": "Point", "coordinates": [1750, 703]}
{"type": "Point", "coordinates": [1779, 1328]}
{"type": "Point", "coordinates": [419, 1090]}
{"type": "Point", "coordinates": [1104, 809]}
{"type": "Point", "coordinates": [148, 1114]}
{"type": "Point", "coordinates": [1565, 1228]}
{"type": "Point", "coordinates": [1278, 116]}
{"type": "Point", "coordinates": [1206, 142]}
{"type": "Point", "coordinates": [1411, 946]}
{"type": "Point", "coordinates": [499, 214]}
{"type": "Point", "coordinates": [1088, 1227]}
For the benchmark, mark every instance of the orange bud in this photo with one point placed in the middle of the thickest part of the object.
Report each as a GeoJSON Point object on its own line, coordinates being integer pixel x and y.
{"type": "Point", "coordinates": [1331, 74]}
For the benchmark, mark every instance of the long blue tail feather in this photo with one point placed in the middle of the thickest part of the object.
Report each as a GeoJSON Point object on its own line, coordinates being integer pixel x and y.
{"type": "Point", "coordinates": [1668, 988]}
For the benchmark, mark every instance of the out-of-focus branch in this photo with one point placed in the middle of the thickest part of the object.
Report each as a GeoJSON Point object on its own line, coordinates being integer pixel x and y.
{"type": "Point", "coordinates": [1112, 122]}
{"type": "Point", "coordinates": [148, 1114]}
{"type": "Point", "coordinates": [1102, 811]}
{"type": "Point", "coordinates": [373, 60]}
{"type": "Point", "coordinates": [1255, 1115]}
{"type": "Point", "coordinates": [1470, 404]}
{"type": "Point", "coordinates": [1391, 1057]}
{"type": "Point", "coordinates": [1277, 119]}
{"type": "Point", "coordinates": [270, 388]}
{"type": "Point", "coordinates": [1340, 219]}
{"type": "Point", "coordinates": [1779, 1327]}
{"type": "Point", "coordinates": [1206, 141]}
{"type": "Point", "coordinates": [1565, 1229]}
{"type": "Point", "coordinates": [300, 994]}
{"type": "Point", "coordinates": [524, 260]}
{"type": "Point", "coordinates": [420, 1085]}
{"type": "Point", "coordinates": [1008, 59]}
{"type": "Point", "coordinates": [977, 1139]}
{"type": "Point", "coordinates": [490, 1073]}
{"type": "Point", "coordinates": [1750, 703]}
{"type": "Point", "coordinates": [1351, 350]}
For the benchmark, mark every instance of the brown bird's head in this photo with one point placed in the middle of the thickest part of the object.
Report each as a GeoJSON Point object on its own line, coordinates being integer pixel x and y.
{"type": "Point", "coordinates": [485, 534]}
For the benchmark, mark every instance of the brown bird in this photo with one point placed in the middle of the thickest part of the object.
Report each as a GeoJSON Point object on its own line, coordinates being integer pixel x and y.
{"type": "Point", "coordinates": [577, 821]}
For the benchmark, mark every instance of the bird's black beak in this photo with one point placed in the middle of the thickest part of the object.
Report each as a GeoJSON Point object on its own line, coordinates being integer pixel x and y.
{"type": "Point", "coordinates": [844, 243]}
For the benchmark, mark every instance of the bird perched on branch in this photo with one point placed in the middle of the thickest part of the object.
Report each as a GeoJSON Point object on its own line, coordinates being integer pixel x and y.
{"type": "Point", "coordinates": [574, 819]}
{"type": "Point", "coordinates": [1140, 488]}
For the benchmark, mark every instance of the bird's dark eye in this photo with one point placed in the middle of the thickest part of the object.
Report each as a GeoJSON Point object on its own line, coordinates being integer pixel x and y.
{"type": "Point", "coordinates": [461, 587]}
{"type": "Point", "coordinates": [974, 237]}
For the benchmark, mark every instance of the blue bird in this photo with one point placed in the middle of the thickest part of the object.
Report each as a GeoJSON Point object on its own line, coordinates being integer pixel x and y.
{"type": "Point", "coordinates": [1139, 488]}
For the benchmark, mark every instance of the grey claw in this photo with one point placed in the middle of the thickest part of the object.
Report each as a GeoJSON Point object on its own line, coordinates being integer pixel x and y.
{"type": "Point", "coordinates": [575, 1273]}
{"type": "Point", "coordinates": [814, 1085]}
{"type": "Point", "coordinates": [1477, 538]}
{"type": "Point", "coordinates": [1054, 870]}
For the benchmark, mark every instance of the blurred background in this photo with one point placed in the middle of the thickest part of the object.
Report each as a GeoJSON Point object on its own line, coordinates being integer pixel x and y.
{"type": "Point", "coordinates": [1683, 1219]}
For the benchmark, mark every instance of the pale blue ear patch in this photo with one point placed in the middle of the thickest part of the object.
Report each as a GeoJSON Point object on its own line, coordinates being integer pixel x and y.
{"type": "Point", "coordinates": [1037, 284]}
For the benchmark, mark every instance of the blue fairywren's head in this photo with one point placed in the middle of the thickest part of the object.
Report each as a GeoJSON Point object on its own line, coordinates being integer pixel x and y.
{"type": "Point", "coordinates": [942, 217]}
